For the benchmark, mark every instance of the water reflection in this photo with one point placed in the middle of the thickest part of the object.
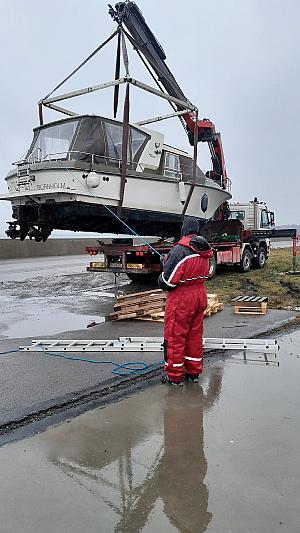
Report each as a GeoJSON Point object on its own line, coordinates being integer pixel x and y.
{"type": "Point", "coordinates": [183, 467]}
{"type": "Point", "coordinates": [146, 463]}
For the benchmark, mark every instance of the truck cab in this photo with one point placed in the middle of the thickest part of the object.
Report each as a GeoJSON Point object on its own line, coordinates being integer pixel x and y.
{"type": "Point", "coordinates": [253, 215]}
{"type": "Point", "coordinates": [244, 238]}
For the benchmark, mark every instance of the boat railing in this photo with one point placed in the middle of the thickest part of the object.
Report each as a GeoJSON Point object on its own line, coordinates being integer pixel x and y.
{"type": "Point", "coordinates": [226, 185]}
{"type": "Point", "coordinates": [185, 170]}
{"type": "Point", "coordinates": [91, 159]}
{"type": "Point", "coordinates": [36, 158]}
{"type": "Point", "coordinates": [30, 159]}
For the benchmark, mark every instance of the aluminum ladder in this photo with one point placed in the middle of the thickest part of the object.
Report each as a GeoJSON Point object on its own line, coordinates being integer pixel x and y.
{"type": "Point", "coordinates": [147, 344]}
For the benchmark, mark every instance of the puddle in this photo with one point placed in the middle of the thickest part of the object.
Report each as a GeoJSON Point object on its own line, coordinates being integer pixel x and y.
{"type": "Point", "coordinates": [99, 293]}
{"type": "Point", "coordinates": [27, 318]}
{"type": "Point", "coordinates": [47, 296]}
{"type": "Point", "coordinates": [32, 268]}
{"type": "Point", "coordinates": [48, 323]}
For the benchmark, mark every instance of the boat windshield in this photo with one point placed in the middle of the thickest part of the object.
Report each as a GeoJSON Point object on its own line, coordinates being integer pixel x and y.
{"type": "Point", "coordinates": [55, 140]}
{"type": "Point", "coordinates": [88, 139]}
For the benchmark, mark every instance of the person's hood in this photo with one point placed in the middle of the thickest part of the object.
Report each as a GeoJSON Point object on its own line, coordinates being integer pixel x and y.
{"type": "Point", "coordinates": [190, 226]}
{"type": "Point", "coordinates": [198, 244]}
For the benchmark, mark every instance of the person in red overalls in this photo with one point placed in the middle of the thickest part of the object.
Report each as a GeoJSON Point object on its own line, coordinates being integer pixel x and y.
{"type": "Point", "coordinates": [185, 270]}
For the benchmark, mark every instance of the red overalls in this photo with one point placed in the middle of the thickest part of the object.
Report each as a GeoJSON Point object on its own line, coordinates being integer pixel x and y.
{"type": "Point", "coordinates": [185, 306]}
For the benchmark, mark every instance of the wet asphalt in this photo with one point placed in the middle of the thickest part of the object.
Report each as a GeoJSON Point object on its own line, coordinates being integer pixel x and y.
{"type": "Point", "coordinates": [45, 298]}
{"type": "Point", "coordinates": [218, 456]}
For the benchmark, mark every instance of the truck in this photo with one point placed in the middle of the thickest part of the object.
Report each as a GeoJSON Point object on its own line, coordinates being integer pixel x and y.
{"type": "Point", "coordinates": [242, 240]}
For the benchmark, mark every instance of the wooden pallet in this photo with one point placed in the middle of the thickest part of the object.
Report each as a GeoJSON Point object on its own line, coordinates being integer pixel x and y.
{"type": "Point", "coordinates": [139, 305]}
{"type": "Point", "coordinates": [211, 310]}
{"type": "Point", "coordinates": [250, 305]}
{"type": "Point", "coordinates": [150, 305]}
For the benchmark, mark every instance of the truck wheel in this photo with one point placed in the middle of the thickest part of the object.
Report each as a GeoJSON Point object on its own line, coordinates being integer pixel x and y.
{"type": "Point", "coordinates": [260, 260]}
{"type": "Point", "coordinates": [245, 264]}
{"type": "Point", "coordinates": [212, 268]}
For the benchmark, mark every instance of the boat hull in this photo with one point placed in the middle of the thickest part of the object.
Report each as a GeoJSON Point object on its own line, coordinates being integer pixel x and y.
{"type": "Point", "coordinates": [64, 198]}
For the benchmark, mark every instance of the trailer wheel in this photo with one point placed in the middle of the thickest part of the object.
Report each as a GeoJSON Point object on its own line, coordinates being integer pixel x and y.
{"type": "Point", "coordinates": [246, 261]}
{"type": "Point", "coordinates": [260, 260]}
{"type": "Point", "coordinates": [212, 268]}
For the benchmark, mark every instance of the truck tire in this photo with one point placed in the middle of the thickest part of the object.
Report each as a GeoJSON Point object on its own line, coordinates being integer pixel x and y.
{"type": "Point", "coordinates": [246, 261]}
{"type": "Point", "coordinates": [260, 260]}
{"type": "Point", "coordinates": [212, 268]}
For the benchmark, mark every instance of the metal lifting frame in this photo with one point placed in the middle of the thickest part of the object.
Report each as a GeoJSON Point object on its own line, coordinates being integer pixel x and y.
{"type": "Point", "coordinates": [147, 344]}
{"type": "Point", "coordinates": [181, 107]}
{"type": "Point", "coordinates": [162, 117]}
{"type": "Point", "coordinates": [137, 83]}
{"type": "Point", "coordinates": [49, 100]}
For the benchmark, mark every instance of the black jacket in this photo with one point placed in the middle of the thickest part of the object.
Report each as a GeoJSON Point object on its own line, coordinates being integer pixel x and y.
{"type": "Point", "coordinates": [187, 262]}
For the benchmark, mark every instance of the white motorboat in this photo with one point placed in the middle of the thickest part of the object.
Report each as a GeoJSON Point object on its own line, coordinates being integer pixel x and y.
{"type": "Point", "coordinates": [70, 180]}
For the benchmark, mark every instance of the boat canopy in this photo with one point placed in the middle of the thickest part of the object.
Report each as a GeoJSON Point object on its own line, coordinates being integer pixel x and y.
{"type": "Point", "coordinates": [96, 140]}
{"type": "Point", "coordinates": [88, 139]}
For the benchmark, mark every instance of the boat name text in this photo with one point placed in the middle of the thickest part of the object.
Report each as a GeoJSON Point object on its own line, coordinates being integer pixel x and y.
{"type": "Point", "coordinates": [55, 185]}
{"type": "Point", "coordinates": [15, 186]}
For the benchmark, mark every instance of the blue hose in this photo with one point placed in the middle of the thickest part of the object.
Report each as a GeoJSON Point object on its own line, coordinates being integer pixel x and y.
{"type": "Point", "coordinates": [141, 367]}
{"type": "Point", "coordinates": [129, 368]}
{"type": "Point", "coordinates": [8, 352]}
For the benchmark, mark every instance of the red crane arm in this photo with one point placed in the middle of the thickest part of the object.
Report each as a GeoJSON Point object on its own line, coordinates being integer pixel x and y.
{"type": "Point", "coordinates": [207, 133]}
{"type": "Point", "coordinates": [144, 40]}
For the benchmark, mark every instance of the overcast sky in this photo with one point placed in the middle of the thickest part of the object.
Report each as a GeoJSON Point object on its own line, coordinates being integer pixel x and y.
{"type": "Point", "coordinates": [238, 61]}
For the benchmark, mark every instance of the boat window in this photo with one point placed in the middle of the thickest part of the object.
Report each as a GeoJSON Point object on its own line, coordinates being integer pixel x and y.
{"type": "Point", "coordinates": [172, 165]}
{"type": "Point", "coordinates": [237, 215]}
{"type": "Point", "coordinates": [138, 140]}
{"type": "Point", "coordinates": [186, 168]}
{"type": "Point", "coordinates": [53, 142]}
{"type": "Point", "coordinates": [114, 141]}
{"type": "Point", "coordinates": [89, 141]}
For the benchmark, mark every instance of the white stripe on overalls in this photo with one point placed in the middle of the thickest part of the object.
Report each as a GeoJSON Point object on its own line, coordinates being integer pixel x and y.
{"type": "Point", "coordinates": [174, 364]}
{"type": "Point", "coordinates": [194, 358]}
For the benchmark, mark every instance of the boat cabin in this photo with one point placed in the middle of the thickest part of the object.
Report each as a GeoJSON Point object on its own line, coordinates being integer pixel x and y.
{"type": "Point", "coordinates": [97, 140]}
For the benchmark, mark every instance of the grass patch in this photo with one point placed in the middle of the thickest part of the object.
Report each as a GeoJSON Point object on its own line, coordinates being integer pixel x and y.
{"type": "Point", "coordinates": [282, 290]}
